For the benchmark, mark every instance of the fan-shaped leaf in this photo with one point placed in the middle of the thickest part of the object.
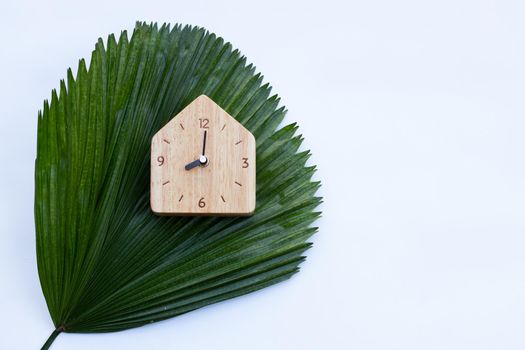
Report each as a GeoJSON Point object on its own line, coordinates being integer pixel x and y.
{"type": "Point", "coordinates": [105, 262]}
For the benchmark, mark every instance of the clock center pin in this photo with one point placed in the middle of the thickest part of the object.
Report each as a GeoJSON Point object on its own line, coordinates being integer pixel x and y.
{"type": "Point", "coordinates": [204, 160]}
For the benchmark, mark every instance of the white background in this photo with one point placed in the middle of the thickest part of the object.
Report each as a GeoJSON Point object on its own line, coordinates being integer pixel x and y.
{"type": "Point", "coordinates": [415, 114]}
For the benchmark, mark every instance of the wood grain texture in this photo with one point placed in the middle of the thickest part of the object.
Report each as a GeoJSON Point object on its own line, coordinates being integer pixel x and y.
{"type": "Point", "coordinates": [226, 186]}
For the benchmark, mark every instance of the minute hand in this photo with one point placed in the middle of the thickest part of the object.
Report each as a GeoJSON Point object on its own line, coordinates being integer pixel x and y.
{"type": "Point", "coordinates": [204, 144]}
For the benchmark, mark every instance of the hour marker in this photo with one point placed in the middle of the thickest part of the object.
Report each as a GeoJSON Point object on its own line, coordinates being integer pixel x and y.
{"type": "Point", "coordinates": [182, 126]}
{"type": "Point", "coordinates": [166, 141]}
{"type": "Point", "coordinates": [165, 183]}
{"type": "Point", "coordinates": [181, 197]}
{"type": "Point", "coordinates": [238, 183]}
{"type": "Point", "coordinates": [223, 199]}
{"type": "Point", "coordinates": [238, 142]}
{"type": "Point", "coordinates": [223, 127]}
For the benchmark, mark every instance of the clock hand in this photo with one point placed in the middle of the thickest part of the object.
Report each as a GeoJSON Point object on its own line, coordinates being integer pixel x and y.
{"type": "Point", "coordinates": [204, 143]}
{"type": "Point", "coordinates": [193, 164]}
{"type": "Point", "coordinates": [201, 161]}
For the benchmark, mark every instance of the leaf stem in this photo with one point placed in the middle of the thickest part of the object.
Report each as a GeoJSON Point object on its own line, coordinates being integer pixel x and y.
{"type": "Point", "coordinates": [52, 338]}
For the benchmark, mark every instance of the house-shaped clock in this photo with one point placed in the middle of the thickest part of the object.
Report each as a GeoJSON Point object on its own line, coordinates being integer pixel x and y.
{"type": "Point", "coordinates": [203, 163]}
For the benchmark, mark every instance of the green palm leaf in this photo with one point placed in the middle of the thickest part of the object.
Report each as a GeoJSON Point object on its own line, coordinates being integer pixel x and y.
{"type": "Point", "coordinates": [105, 262]}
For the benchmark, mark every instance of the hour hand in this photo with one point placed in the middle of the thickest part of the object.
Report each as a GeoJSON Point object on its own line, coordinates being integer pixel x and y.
{"type": "Point", "coordinates": [193, 164]}
{"type": "Point", "coordinates": [203, 160]}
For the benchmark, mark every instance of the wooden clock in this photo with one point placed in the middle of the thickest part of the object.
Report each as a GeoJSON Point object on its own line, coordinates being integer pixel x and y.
{"type": "Point", "coordinates": [203, 163]}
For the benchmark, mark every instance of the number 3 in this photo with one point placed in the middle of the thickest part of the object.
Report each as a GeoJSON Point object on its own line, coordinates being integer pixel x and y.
{"type": "Point", "coordinates": [245, 163]}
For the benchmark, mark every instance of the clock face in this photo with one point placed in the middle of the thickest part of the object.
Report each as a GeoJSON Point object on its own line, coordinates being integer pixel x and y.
{"type": "Point", "coordinates": [203, 163]}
